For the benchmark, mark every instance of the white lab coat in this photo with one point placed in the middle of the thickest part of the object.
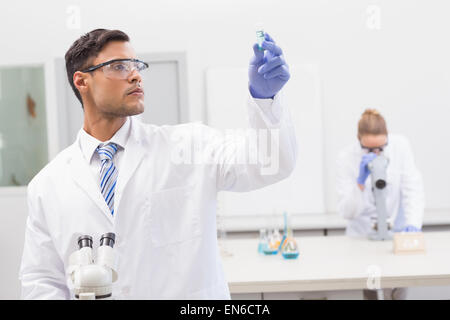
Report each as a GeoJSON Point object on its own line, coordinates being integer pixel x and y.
{"type": "Point", "coordinates": [405, 194]}
{"type": "Point", "coordinates": [164, 221]}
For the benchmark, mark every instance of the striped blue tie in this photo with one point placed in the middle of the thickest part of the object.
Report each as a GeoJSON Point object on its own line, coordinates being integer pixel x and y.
{"type": "Point", "coordinates": [108, 173]}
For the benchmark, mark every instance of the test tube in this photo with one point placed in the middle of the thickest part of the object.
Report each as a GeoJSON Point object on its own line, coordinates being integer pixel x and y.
{"type": "Point", "coordinates": [259, 35]}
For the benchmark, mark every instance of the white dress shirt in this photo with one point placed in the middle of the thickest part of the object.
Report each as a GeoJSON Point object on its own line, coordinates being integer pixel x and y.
{"type": "Point", "coordinates": [88, 144]}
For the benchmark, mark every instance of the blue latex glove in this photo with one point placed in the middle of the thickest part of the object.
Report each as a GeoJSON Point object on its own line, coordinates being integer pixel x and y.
{"type": "Point", "coordinates": [268, 72]}
{"type": "Point", "coordinates": [363, 168]}
{"type": "Point", "coordinates": [411, 228]}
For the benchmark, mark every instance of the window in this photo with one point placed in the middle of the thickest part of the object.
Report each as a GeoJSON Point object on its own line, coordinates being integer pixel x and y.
{"type": "Point", "coordinates": [23, 128]}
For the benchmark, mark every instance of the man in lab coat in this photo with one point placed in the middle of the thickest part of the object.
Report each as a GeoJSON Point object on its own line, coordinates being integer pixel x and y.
{"type": "Point", "coordinates": [404, 188]}
{"type": "Point", "coordinates": [138, 181]}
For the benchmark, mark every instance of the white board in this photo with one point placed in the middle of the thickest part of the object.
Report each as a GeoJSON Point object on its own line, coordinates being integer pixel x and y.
{"type": "Point", "coordinates": [302, 192]}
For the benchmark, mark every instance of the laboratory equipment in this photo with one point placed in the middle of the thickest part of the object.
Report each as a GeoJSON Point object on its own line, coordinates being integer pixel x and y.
{"type": "Point", "coordinates": [288, 247]}
{"type": "Point", "coordinates": [274, 242]}
{"type": "Point", "coordinates": [263, 241]}
{"type": "Point", "coordinates": [222, 231]}
{"type": "Point", "coordinates": [93, 280]}
{"type": "Point", "coordinates": [378, 167]}
{"type": "Point", "coordinates": [259, 35]}
{"type": "Point", "coordinates": [285, 229]}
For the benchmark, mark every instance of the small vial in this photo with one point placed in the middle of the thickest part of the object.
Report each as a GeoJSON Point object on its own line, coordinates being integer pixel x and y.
{"type": "Point", "coordinates": [259, 35]}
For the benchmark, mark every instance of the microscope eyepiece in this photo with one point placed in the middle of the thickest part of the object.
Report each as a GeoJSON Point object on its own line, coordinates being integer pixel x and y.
{"type": "Point", "coordinates": [380, 184]}
{"type": "Point", "coordinates": [108, 239]}
{"type": "Point", "coordinates": [84, 241]}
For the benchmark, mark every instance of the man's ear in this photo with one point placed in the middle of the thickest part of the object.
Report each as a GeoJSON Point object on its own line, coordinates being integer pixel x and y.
{"type": "Point", "coordinates": [80, 81]}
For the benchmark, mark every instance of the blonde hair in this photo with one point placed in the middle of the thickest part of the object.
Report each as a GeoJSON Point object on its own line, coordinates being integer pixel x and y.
{"type": "Point", "coordinates": [371, 123]}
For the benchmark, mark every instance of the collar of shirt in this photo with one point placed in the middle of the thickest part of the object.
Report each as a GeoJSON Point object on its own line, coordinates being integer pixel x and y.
{"type": "Point", "coordinates": [88, 143]}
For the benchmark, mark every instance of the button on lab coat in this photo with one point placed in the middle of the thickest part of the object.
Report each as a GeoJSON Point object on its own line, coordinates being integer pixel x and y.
{"type": "Point", "coordinates": [404, 189]}
{"type": "Point", "coordinates": [165, 210]}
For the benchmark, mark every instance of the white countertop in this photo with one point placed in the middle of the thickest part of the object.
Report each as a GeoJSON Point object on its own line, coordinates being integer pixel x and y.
{"type": "Point", "coordinates": [313, 221]}
{"type": "Point", "coordinates": [335, 263]}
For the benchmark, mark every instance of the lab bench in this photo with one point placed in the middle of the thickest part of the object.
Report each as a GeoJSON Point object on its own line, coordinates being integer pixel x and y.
{"type": "Point", "coordinates": [333, 267]}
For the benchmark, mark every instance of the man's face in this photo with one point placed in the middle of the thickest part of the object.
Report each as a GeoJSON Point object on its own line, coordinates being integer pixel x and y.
{"type": "Point", "coordinates": [113, 97]}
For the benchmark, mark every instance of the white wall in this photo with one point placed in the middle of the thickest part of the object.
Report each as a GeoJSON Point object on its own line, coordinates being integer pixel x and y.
{"type": "Point", "coordinates": [402, 68]}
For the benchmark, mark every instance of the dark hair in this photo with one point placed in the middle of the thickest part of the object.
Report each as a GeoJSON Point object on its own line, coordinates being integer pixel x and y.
{"type": "Point", "coordinates": [86, 48]}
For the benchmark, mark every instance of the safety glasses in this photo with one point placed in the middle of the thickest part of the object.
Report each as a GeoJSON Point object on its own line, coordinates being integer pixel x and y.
{"type": "Point", "coordinates": [119, 69]}
{"type": "Point", "coordinates": [374, 150]}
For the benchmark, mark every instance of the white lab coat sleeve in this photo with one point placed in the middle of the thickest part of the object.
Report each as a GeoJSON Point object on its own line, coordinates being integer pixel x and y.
{"type": "Point", "coordinates": [42, 270]}
{"type": "Point", "coordinates": [260, 155]}
{"type": "Point", "coordinates": [411, 188]}
{"type": "Point", "coordinates": [350, 202]}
